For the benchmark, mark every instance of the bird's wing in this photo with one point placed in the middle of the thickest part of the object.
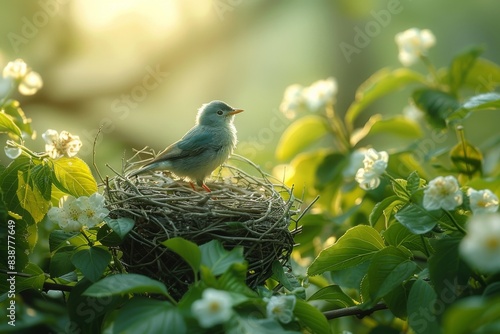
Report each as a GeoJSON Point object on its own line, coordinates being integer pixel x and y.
{"type": "Point", "coordinates": [192, 144]}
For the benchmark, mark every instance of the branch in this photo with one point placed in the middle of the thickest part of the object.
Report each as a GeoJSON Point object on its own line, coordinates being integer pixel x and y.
{"type": "Point", "coordinates": [54, 286]}
{"type": "Point", "coordinates": [354, 310]}
{"type": "Point", "coordinates": [46, 285]}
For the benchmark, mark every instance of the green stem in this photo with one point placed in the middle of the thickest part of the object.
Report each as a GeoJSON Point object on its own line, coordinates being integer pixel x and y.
{"type": "Point", "coordinates": [427, 253]}
{"type": "Point", "coordinates": [87, 238]}
{"type": "Point", "coordinates": [338, 127]}
{"type": "Point", "coordinates": [458, 227]}
{"type": "Point", "coordinates": [432, 70]}
{"type": "Point", "coordinates": [397, 184]}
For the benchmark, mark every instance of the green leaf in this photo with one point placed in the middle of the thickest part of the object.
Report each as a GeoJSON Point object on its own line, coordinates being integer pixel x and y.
{"type": "Point", "coordinates": [217, 259]}
{"type": "Point", "coordinates": [333, 294]}
{"type": "Point", "coordinates": [59, 238]}
{"type": "Point", "coordinates": [107, 237]}
{"type": "Point", "coordinates": [91, 262]}
{"type": "Point", "coordinates": [379, 84]}
{"type": "Point", "coordinates": [436, 104]}
{"type": "Point", "coordinates": [488, 101]}
{"type": "Point", "coordinates": [330, 170]}
{"type": "Point", "coordinates": [388, 269]}
{"type": "Point", "coordinates": [414, 182]}
{"type": "Point", "coordinates": [396, 125]}
{"type": "Point", "coordinates": [299, 135]}
{"type": "Point", "coordinates": [472, 315]}
{"type": "Point", "coordinates": [467, 158]}
{"type": "Point", "coordinates": [447, 271]}
{"type": "Point", "coordinates": [87, 313]}
{"type": "Point", "coordinates": [397, 299]}
{"type": "Point", "coordinates": [357, 245]}
{"type": "Point", "coordinates": [120, 226]}
{"type": "Point", "coordinates": [397, 235]}
{"type": "Point", "coordinates": [421, 308]}
{"type": "Point", "coordinates": [378, 209]}
{"type": "Point", "coordinates": [399, 187]}
{"type": "Point", "coordinates": [233, 280]}
{"type": "Point", "coordinates": [304, 171]}
{"type": "Point", "coordinates": [492, 289]}
{"type": "Point", "coordinates": [252, 325]}
{"type": "Point", "coordinates": [187, 250]}
{"type": "Point", "coordinates": [351, 278]}
{"type": "Point", "coordinates": [13, 109]}
{"type": "Point", "coordinates": [7, 125]}
{"type": "Point", "coordinates": [310, 317]}
{"type": "Point", "coordinates": [40, 178]}
{"type": "Point", "coordinates": [31, 199]}
{"type": "Point", "coordinates": [73, 176]}
{"type": "Point", "coordinates": [60, 263]}
{"type": "Point", "coordinates": [9, 182]}
{"type": "Point", "coordinates": [484, 76]}
{"type": "Point", "coordinates": [141, 315]}
{"type": "Point", "coordinates": [34, 281]}
{"type": "Point", "coordinates": [416, 219]}
{"type": "Point", "coordinates": [120, 284]}
{"type": "Point", "coordinates": [461, 66]}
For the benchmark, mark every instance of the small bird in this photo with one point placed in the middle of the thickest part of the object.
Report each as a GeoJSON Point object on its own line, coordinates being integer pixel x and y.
{"type": "Point", "coordinates": [203, 148]}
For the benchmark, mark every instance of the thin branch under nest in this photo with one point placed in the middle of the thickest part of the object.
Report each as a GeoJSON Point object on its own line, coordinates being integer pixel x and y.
{"type": "Point", "coordinates": [243, 209]}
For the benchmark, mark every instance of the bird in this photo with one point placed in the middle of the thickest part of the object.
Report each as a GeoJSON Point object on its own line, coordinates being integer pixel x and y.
{"type": "Point", "coordinates": [202, 149]}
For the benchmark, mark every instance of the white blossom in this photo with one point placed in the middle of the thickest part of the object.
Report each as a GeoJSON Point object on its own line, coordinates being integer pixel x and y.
{"type": "Point", "coordinates": [29, 81]}
{"type": "Point", "coordinates": [214, 308]}
{"type": "Point", "coordinates": [480, 248]}
{"type": "Point", "coordinates": [355, 163]}
{"type": "Point", "coordinates": [59, 145]}
{"type": "Point", "coordinates": [12, 152]}
{"type": "Point", "coordinates": [482, 201]}
{"type": "Point", "coordinates": [281, 308]}
{"type": "Point", "coordinates": [313, 98]}
{"type": "Point", "coordinates": [442, 193]}
{"type": "Point", "coordinates": [414, 43]}
{"type": "Point", "coordinates": [92, 209]}
{"type": "Point", "coordinates": [292, 100]}
{"type": "Point", "coordinates": [320, 94]}
{"type": "Point", "coordinates": [411, 112]}
{"type": "Point", "coordinates": [374, 165]}
{"type": "Point", "coordinates": [73, 214]}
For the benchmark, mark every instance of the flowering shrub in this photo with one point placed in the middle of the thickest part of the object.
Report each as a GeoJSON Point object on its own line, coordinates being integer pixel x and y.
{"type": "Point", "coordinates": [406, 235]}
{"type": "Point", "coordinates": [402, 226]}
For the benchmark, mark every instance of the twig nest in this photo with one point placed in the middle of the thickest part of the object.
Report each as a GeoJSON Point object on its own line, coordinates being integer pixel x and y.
{"type": "Point", "coordinates": [242, 210]}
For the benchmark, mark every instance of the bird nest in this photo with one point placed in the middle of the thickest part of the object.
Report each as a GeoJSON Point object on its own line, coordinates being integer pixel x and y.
{"type": "Point", "coordinates": [243, 209]}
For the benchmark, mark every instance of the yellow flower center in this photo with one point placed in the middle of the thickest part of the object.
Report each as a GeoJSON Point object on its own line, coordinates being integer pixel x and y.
{"type": "Point", "coordinates": [214, 307]}
{"type": "Point", "coordinates": [492, 243]}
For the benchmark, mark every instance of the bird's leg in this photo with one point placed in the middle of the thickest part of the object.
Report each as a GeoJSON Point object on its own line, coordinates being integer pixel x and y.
{"type": "Point", "coordinates": [206, 188]}
{"type": "Point", "coordinates": [192, 186]}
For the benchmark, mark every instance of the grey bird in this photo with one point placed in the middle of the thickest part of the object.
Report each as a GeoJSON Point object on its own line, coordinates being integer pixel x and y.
{"type": "Point", "coordinates": [203, 148]}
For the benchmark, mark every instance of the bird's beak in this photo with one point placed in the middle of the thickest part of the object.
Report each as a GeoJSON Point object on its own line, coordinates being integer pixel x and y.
{"type": "Point", "coordinates": [235, 111]}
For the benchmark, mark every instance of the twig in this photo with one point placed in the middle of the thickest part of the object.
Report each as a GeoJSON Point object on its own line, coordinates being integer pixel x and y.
{"type": "Point", "coordinates": [353, 310]}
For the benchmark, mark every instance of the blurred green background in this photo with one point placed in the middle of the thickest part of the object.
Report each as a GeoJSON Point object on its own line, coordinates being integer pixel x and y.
{"type": "Point", "coordinates": [141, 68]}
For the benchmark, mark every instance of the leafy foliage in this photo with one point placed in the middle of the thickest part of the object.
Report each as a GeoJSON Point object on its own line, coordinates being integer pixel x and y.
{"type": "Point", "coordinates": [360, 251]}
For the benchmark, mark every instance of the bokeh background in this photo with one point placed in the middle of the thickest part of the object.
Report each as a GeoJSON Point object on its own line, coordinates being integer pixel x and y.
{"type": "Point", "coordinates": [141, 68]}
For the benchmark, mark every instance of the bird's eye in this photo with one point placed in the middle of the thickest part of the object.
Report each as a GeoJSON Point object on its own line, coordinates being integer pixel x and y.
{"type": "Point", "coordinates": [220, 112]}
